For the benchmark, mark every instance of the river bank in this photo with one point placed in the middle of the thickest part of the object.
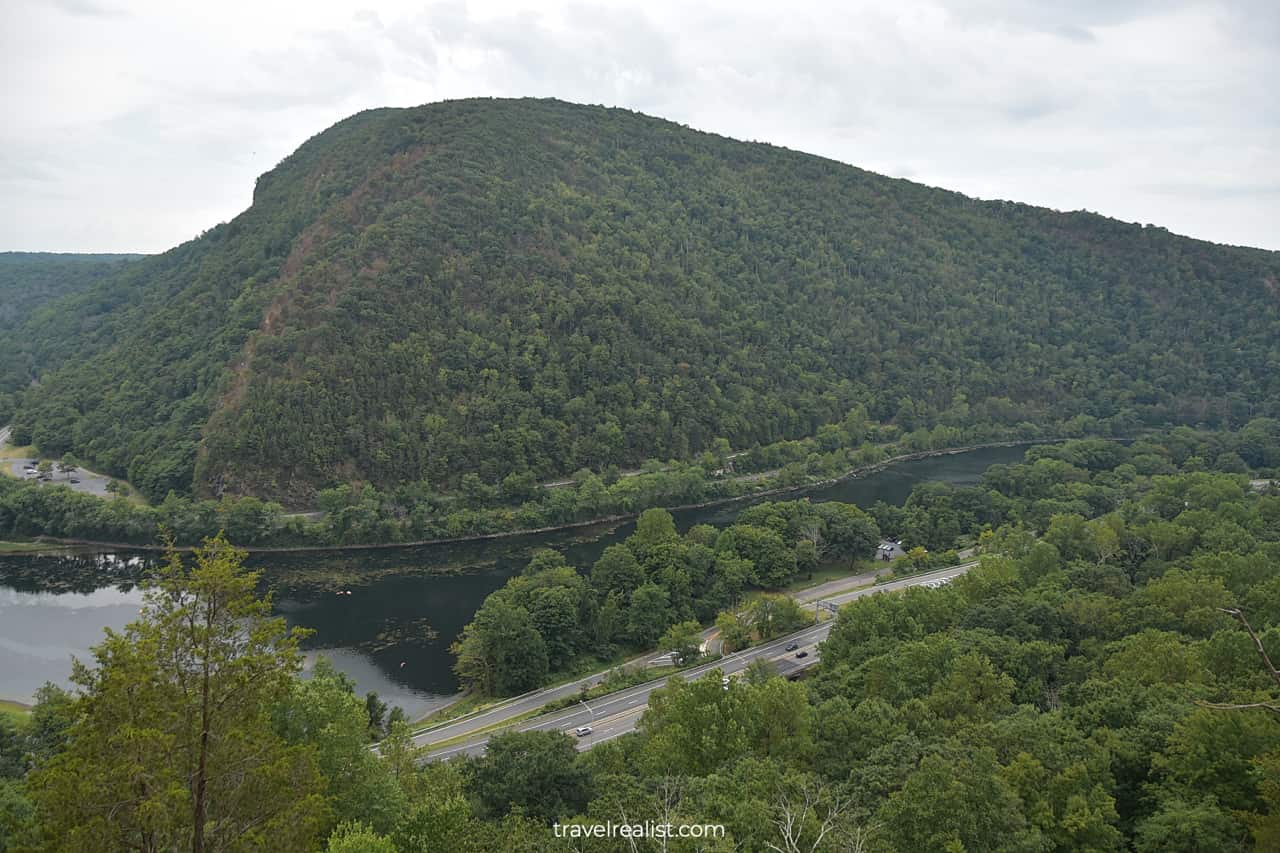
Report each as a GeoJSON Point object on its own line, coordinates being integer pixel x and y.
{"type": "Point", "coordinates": [386, 616]}
{"type": "Point", "coordinates": [617, 518]}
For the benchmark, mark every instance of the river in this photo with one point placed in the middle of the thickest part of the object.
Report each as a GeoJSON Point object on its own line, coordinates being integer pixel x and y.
{"type": "Point", "coordinates": [392, 632]}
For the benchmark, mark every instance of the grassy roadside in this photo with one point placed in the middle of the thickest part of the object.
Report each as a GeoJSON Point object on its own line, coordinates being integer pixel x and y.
{"type": "Point", "coordinates": [471, 704]}
{"type": "Point", "coordinates": [827, 573]}
{"type": "Point", "coordinates": [584, 668]}
{"type": "Point", "coordinates": [468, 704]}
{"type": "Point", "coordinates": [8, 451]}
{"type": "Point", "coordinates": [555, 705]}
{"type": "Point", "coordinates": [432, 746]}
{"type": "Point", "coordinates": [630, 678]}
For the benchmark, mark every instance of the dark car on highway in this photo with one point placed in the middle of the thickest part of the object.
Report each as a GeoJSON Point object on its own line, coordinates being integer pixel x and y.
{"type": "Point", "coordinates": [793, 647]}
{"type": "Point", "coordinates": [802, 654]}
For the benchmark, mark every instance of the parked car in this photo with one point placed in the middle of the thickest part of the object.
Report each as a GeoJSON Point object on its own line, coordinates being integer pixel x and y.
{"type": "Point", "coordinates": [793, 647]}
{"type": "Point", "coordinates": [802, 654]}
{"type": "Point", "coordinates": [73, 480]}
{"type": "Point", "coordinates": [582, 731]}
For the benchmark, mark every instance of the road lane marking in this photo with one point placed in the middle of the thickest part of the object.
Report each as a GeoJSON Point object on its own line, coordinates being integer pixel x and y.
{"type": "Point", "coordinates": [809, 638]}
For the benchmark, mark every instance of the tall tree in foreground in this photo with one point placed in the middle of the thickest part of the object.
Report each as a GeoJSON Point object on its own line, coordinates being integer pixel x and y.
{"type": "Point", "coordinates": [174, 747]}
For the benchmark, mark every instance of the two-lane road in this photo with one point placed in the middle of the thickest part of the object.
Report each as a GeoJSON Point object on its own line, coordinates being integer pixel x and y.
{"type": "Point", "coordinates": [616, 714]}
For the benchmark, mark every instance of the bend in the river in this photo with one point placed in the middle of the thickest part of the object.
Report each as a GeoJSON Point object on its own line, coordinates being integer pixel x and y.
{"type": "Point", "coordinates": [384, 616]}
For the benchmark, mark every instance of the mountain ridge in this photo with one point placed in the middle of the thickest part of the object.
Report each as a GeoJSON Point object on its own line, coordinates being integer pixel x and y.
{"type": "Point", "coordinates": [491, 287]}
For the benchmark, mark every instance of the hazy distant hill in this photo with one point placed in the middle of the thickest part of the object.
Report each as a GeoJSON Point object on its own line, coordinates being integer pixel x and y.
{"type": "Point", "coordinates": [492, 286]}
{"type": "Point", "coordinates": [29, 281]}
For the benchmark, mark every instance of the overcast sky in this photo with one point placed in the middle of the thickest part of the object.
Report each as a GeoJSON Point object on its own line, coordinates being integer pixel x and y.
{"type": "Point", "coordinates": [132, 126]}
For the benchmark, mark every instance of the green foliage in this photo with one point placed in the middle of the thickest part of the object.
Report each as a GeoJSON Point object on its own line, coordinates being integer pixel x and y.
{"type": "Point", "coordinates": [1082, 695]}
{"type": "Point", "coordinates": [353, 837]}
{"type": "Point", "coordinates": [1183, 827]}
{"type": "Point", "coordinates": [735, 634]}
{"type": "Point", "coordinates": [31, 285]}
{"type": "Point", "coordinates": [617, 571]}
{"type": "Point", "coordinates": [324, 712]}
{"type": "Point", "coordinates": [28, 509]}
{"type": "Point", "coordinates": [506, 288]}
{"type": "Point", "coordinates": [774, 615]}
{"type": "Point", "coordinates": [657, 588]}
{"type": "Point", "coordinates": [683, 640]}
{"type": "Point", "coordinates": [638, 589]}
{"type": "Point", "coordinates": [1078, 663]}
{"type": "Point", "coordinates": [172, 744]}
{"type": "Point", "coordinates": [536, 773]}
{"type": "Point", "coordinates": [500, 651]}
{"type": "Point", "coordinates": [956, 803]}
{"type": "Point", "coordinates": [439, 817]}
{"type": "Point", "coordinates": [773, 561]}
{"type": "Point", "coordinates": [16, 816]}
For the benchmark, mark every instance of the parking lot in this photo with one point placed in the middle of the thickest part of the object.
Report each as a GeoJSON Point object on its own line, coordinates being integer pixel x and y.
{"type": "Point", "coordinates": [23, 469]}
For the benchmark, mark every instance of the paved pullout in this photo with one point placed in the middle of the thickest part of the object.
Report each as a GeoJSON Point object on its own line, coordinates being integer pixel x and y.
{"type": "Point", "coordinates": [86, 481]}
{"type": "Point", "coordinates": [617, 713]}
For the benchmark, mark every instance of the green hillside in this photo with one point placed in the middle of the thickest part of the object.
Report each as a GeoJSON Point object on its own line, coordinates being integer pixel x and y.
{"type": "Point", "coordinates": [28, 282]}
{"type": "Point", "coordinates": [498, 286]}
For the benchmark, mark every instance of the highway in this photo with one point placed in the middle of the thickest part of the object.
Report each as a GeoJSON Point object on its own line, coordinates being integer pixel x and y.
{"type": "Point", "coordinates": [617, 713]}
{"type": "Point", "coordinates": [535, 699]}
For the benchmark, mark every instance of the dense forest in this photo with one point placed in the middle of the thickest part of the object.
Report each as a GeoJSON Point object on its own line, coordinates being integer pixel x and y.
{"type": "Point", "coordinates": [529, 288]}
{"type": "Point", "coordinates": [30, 281]}
{"type": "Point", "coordinates": [656, 586]}
{"type": "Point", "coordinates": [1101, 681]}
{"type": "Point", "coordinates": [364, 514]}
{"type": "Point", "coordinates": [414, 512]}
{"type": "Point", "coordinates": [659, 585]}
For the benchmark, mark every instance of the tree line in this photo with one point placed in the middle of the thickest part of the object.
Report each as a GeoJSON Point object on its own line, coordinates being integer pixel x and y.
{"type": "Point", "coordinates": [364, 514]}
{"type": "Point", "coordinates": [655, 585]}
{"type": "Point", "coordinates": [1096, 683]}
{"type": "Point", "coordinates": [552, 620]}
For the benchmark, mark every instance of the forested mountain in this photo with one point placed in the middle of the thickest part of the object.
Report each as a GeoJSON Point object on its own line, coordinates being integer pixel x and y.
{"type": "Point", "coordinates": [530, 286]}
{"type": "Point", "coordinates": [28, 282]}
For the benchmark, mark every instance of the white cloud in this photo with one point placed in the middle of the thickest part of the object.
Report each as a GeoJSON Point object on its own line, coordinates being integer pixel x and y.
{"type": "Point", "coordinates": [135, 125]}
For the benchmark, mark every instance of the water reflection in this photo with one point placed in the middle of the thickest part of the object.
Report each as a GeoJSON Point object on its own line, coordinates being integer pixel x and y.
{"type": "Point", "coordinates": [385, 617]}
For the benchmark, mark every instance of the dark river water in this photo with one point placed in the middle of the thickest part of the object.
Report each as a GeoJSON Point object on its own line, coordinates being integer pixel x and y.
{"type": "Point", "coordinates": [406, 605]}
